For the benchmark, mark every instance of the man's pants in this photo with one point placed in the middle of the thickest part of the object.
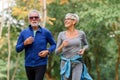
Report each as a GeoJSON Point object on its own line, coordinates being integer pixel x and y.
{"type": "Point", "coordinates": [35, 73]}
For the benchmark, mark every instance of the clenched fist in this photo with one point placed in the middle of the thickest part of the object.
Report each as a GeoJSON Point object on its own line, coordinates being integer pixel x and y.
{"type": "Point", "coordinates": [43, 53]}
{"type": "Point", "coordinates": [29, 40]}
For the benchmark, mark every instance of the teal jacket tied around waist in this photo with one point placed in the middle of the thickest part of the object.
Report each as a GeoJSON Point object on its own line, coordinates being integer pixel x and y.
{"type": "Point", "coordinates": [65, 70]}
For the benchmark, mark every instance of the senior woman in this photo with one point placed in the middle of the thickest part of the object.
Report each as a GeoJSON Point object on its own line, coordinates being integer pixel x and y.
{"type": "Point", "coordinates": [71, 45]}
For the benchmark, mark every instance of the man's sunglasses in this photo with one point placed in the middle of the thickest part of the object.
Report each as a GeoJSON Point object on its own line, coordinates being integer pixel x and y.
{"type": "Point", "coordinates": [34, 18]}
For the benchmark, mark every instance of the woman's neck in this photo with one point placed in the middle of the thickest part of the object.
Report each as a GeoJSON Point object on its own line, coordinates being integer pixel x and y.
{"type": "Point", "coordinates": [71, 30]}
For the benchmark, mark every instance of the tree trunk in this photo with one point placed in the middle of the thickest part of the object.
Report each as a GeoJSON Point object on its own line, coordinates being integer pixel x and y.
{"type": "Point", "coordinates": [2, 19]}
{"type": "Point", "coordinates": [97, 69]}
{"type": "Point", "coordinates": [48, 77]}
{"type": "Point", "coordinates": [117, 64]}
{"type": "Point", "coordinates": [49, 69]}
{"type": "Point", "coordinates": [9, 53]}
{"type": "Point", "coordinates": [13, 76]}
{"type": "Point", "coordinates": [9, 47]}
{"type": "Point", "coordinates": [44, 13]}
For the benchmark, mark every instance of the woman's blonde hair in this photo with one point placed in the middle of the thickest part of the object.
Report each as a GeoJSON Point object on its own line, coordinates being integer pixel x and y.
{"type": "Point", "coordinates": [72, 16]}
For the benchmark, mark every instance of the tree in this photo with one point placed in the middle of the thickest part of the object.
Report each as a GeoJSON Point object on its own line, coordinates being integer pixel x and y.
{"type": "Point", "coordinates": [98, 18]}
{"type": "Point", "coordinates": [2, 19]}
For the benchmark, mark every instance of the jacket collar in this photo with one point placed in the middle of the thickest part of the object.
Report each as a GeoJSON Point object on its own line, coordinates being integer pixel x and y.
{"type": "Point", "coordinates": [40, 28]}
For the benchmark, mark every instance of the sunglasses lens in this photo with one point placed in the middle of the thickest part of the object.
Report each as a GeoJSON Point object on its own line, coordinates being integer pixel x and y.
{"type": "Point", "coordinates": [34, 17]}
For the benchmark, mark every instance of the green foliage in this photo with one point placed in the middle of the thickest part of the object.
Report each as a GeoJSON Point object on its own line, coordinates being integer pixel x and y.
{"type": "Point", "coordinates": [20, 73]}
{"type": "Point", "coordinates": [56, 66]}
{"type": "Point", "coordinates": [100, 19]}
{"type": "Point", "coordinates": [2, 69]}
{"type": "Point", "coordinates": [96, 19]}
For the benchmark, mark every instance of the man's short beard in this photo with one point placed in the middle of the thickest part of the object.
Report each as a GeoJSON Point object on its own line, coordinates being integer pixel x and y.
{"type": "Point", "coordinates": [34, 25]}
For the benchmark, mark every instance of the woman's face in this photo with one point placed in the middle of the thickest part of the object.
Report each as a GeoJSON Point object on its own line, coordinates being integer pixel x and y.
{"type": "Point", "coordinates": [68, 22]}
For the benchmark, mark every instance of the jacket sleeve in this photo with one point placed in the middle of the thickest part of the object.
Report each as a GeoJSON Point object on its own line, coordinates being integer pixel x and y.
{"type": "Point", "coordinates": [51, 41]}
{"type": "Point", "coordinates": [20, 43]}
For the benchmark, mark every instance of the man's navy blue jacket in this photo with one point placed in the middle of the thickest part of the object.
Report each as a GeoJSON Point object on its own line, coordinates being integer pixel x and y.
{"type": "Point", "coordinates": [42, 37]}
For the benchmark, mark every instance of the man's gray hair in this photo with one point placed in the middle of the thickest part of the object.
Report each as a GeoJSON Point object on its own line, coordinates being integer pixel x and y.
{"type": "Point", "coordinates": [73, 16]}
{"type": "Point", "coordinates": [34, 11]}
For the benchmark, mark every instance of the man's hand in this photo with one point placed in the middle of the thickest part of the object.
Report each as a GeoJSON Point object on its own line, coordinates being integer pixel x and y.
{"type": "Point", "coordinates": [29, 40]}
{"type": "Point", "coordinates": [43, 53]}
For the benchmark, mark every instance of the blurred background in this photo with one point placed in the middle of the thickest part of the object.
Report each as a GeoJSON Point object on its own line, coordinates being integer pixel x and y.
{"type": "Point", "coordinates": [100, 19]}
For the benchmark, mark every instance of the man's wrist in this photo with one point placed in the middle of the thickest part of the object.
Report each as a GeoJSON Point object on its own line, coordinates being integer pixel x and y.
{"type": "Point", "coordinates": [24, 43]}
{"type": "Point", "coordinates": [48, 51]}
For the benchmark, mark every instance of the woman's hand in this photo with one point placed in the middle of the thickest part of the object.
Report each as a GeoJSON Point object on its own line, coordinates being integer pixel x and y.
{"type": "Point", "coordinates": [64, 43]}
{"type": "Point", "coordinates": [81, 51]}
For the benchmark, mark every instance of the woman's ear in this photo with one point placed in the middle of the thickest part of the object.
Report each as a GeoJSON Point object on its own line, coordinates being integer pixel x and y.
{"type": "Point", "coordinates": [74, 22]}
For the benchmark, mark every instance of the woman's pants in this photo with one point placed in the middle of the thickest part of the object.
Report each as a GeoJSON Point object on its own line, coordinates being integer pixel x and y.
{"type": "Point", "coordinates": [76, 71]}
